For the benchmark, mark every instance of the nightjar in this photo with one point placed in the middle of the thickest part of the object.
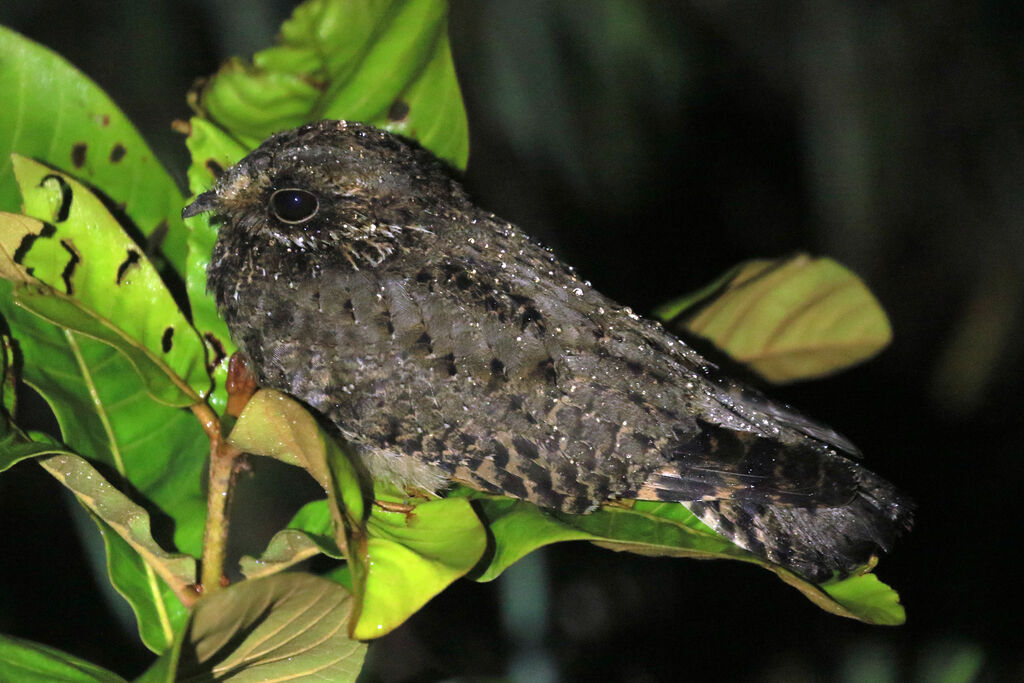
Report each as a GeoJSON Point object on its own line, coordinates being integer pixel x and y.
{"type": "Point", "coordinates": [447, 346]}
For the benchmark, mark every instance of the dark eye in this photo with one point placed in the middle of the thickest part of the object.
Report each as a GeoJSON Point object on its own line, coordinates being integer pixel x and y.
{"type": "Point", "coordinates": [293, 205]}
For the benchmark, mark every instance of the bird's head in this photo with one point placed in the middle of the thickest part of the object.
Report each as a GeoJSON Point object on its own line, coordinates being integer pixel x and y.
{"type": "Point", "coordinates": [333, 187]}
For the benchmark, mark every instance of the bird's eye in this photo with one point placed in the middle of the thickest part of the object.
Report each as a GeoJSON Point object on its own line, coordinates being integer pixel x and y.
{"type": "Point", "coordinates": [293, 205]}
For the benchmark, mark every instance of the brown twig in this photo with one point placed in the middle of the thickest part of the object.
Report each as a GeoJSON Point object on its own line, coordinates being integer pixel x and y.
{"type": "Point", "coordinates": [240, 385]}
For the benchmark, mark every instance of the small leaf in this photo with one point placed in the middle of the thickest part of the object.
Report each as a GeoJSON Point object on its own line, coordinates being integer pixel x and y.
{"type": "Point", "coordinates": [89, 256]}
{"type": "Point", "coordinates": [275, 425]}
{"type": "Point", "coordinates": [282, 627]}
{"type": "Point", "coordinates": [869, 599]}
{"type": "Point", "coordinates": [411, 557]}
{"type": "Point", "coordinates": [309, 533]}
{"type": "Point", "coordinates": [54, 113]}
{"type": "Point", "coordinates": [383, 62]}
{"type": "Point", "coordinates": [788, 319]}
{"type": "Point", "coordinates": [287, 548]}
{"type": "Point", "coordinates": [27, 662]}
{"type": "Point", "coordinates": [401, 560]}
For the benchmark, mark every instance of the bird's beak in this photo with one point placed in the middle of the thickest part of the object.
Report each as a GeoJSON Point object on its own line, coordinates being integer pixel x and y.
{"type": "Point", "coordinates": [207, 201]}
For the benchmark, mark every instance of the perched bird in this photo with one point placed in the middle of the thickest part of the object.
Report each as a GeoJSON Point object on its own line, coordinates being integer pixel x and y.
{"type": "Point", "coordinates": [448, 346]}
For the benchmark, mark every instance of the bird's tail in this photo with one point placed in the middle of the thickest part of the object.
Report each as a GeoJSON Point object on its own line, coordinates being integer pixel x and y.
{"type": "Point", "coordinates": [817, 542]}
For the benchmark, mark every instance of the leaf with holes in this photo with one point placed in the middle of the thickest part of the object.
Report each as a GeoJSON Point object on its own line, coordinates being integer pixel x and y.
{"type": "Point", "coordinates": [16, 230]}
{"type": "Point", "coordinates": [54, 113]}
{"type": "Point", "coordinates": [85, 252]}
{"type": "Point", "coordinates": [212, 150]}
{"type": "Point", "coordinates": [105, 414]}
{"type": "Point", "coordinates": [788, 319]}
{"type": "Point", "coordinates": [383, 62]}
{"type": "Point", "coordinates": [282, 627]}
{"type": "Point", "coordinates": [149, 578]}
{"type": "Point", "coordinates": [28, 662]}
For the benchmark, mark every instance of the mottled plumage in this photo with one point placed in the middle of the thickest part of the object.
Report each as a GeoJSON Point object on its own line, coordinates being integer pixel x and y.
{"type": "Point", "coordinates": [446, 345]}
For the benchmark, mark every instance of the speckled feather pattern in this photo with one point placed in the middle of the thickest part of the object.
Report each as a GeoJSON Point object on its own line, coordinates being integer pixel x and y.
{"type": "Point", "coordinates": [446, 345]}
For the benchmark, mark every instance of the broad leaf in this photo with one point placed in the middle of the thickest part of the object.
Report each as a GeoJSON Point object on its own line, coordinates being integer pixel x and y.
{"type": "Point", "coordinates": [139, 568]}
{"type": "Point", "coordinates": [277, 426]}
{"type": "Point", "coordinates": [788, 319]}
{"type": "Point", "coordinates": [86, 253]}
{"type": "Point", "coordinates": [283, 627]}
{"type": "Point", "coordinates": [54, 113]}
{"type": "Point", "coordinates": [105, 414]}
{"type": "Point", "coordinates": [667, 529]}
{"type": "Point", "coordinates": [382, 62]}
{"type": "Point", "coordinates": [28, 662]}
{"type": "Point", "coordinates": [51, 306]}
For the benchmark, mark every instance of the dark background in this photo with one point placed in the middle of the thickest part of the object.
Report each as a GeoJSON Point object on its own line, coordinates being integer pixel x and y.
{"type": "Point", "coordinates": [654, 145]}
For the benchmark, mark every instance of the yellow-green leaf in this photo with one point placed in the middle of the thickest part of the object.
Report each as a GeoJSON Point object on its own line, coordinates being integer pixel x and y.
{"type": "Point", "coordinates": [411, 557]}
{"type": "Point", "coordinates": [85, 252]}
{"type": "Point", "coordinates": [787, 319]}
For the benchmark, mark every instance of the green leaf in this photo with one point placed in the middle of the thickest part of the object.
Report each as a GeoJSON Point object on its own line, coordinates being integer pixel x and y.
{"type": "Point", "coordinates": [26, 662]}
{"type": "Point", "coordinates": [105, 414]}
{"type": "Point", "coordinates": [86, 252]}
{"type": "Point", "coordinates": [869, 599]}
{"type": "Point", "coordinates": [286, 549]}
{"type": "Point", "coordinates": [159, 612]}
{"type": "Point", "coordinates": [647, 528]}
{"type": "Point", "coordinates": [383, 62]}
{"type": "Point", "coordinates": [411, 557]}
{"type": "Point", "coordinates": [275, 425]}
{"type": "Point", "coordinates": [282, 627]}
{"type": "Point", "coordinates": [115, 406]}
{"type": "Point", "coordinates": [400, 561]}
{"type": "Point", "coordinates": [788, 319]}
{"type": "Point", "coordinates": [664, 529]}
{"type": "Point", "coordinates": [8, 382]}
{"type": "Point", "coordinates": [14, 448]}
{"type": "Point", "coordinates": [212, 150]}
{"type": "Point", "coordinates": [139, 568]}
{"type": "Point", "coordinates": [54, 113]}
{"type": "Point", "coordinates": [161, 383]}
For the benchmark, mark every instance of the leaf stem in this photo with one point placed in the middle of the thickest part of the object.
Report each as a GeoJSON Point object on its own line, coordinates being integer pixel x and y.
{"type": "Point", "coordinates": [222, 469]}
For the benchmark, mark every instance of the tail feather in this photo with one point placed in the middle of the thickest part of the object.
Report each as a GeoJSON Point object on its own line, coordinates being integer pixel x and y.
{"type": "Point", "coordinates": [817, 542]}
